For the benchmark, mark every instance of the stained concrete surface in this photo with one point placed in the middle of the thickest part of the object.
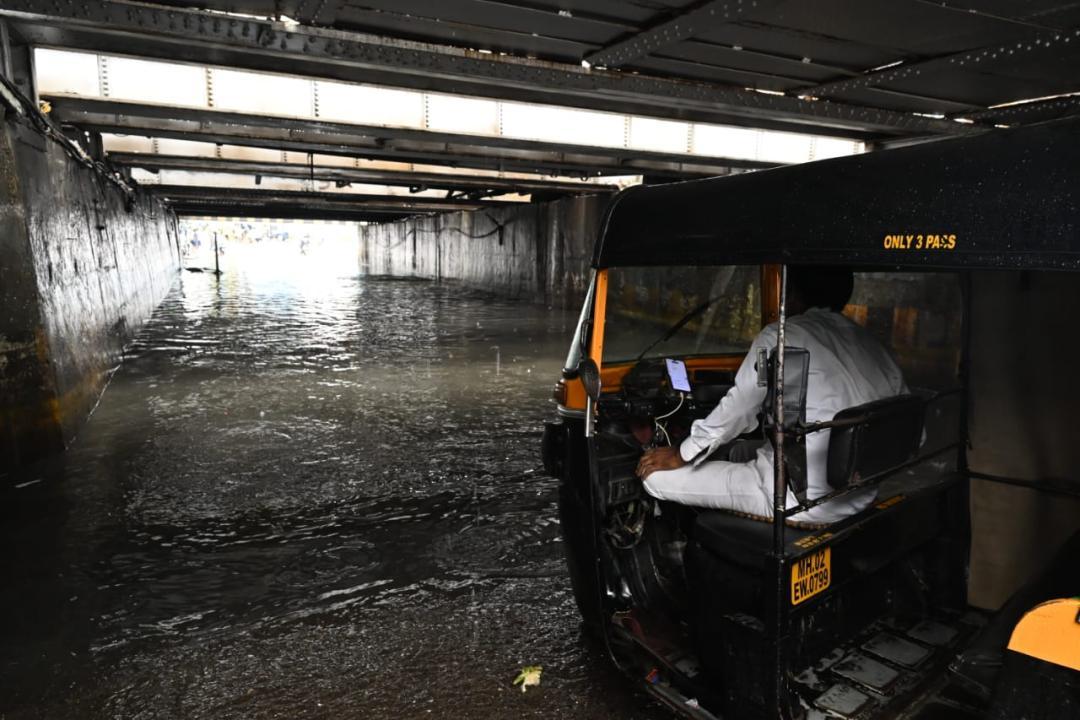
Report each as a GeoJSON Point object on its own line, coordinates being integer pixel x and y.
{"type": "Point", "coordinates": [539, 252]}
{"type": "Point", "coordinates": [1024, 398]}
{"type": "Point", "coordinates": [82, 268]}
{"type": "Point", "coordinates": [304, 497]}
{"type": "Point", "coordinates": [25, 382]}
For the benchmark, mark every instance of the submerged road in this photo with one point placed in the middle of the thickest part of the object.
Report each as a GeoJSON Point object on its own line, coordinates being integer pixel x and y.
{"type": "Point", "coordinates": [305, 498]}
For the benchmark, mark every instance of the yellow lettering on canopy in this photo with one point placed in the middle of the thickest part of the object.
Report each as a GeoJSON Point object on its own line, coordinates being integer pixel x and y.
{"type": "Point", "coordinates": [920, 241]}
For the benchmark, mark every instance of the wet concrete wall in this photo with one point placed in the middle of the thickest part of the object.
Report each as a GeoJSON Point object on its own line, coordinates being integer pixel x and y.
{"type": "Point", "coordinates": [1025, 398]}
{"type": "Point", "coordinates": [537, 252]}
{"type": "Point", "coordinates": [82, 269]}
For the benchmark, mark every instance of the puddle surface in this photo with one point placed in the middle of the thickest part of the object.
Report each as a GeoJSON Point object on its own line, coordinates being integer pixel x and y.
{"type": "Point", "coordinates": [305, 498]}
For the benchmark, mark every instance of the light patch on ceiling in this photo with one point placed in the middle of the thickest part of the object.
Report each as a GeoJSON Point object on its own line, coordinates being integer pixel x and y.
{"type": "Point", "coordinates": [186, 85]}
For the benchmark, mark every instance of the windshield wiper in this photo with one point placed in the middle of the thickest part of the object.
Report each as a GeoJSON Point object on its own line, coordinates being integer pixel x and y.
{"type": "Point", "coordinates": [670, 332]}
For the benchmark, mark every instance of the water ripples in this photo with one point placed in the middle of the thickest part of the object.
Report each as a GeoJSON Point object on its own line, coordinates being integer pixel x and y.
{"type": "Point", "coordinates": [306, 498]}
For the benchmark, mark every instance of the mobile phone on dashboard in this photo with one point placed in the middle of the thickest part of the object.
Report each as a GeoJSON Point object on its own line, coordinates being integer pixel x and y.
{"type": "Point", "coordinates": [676, 370]}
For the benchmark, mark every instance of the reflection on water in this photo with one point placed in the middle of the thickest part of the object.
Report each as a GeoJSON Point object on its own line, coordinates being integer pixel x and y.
{"type": "Point", "coordinates": [304, 497]}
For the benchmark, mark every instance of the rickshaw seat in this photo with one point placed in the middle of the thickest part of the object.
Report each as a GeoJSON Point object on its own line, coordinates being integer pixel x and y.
{"type": "Point", "coordinates": [748, 541]}
{"type": "Point", "coordinates": [740, 539]}
{"type": "Point", "coordinates": [887, 435]}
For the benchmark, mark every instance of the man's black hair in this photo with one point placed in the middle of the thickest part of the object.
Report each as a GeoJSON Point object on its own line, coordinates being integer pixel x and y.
{"type": "Point", "coordinates": [826, 286]}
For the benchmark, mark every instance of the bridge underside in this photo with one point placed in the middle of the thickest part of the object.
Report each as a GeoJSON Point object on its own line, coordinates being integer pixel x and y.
{"type": "Point", "coordinates": [507, 121]}
{"type": "Point", "coordinates": [550, 101]}
{"type": "Point", "coordinates": [298, 471]}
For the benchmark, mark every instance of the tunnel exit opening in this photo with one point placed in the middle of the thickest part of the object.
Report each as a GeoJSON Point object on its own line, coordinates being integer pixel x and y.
{"type": "Point", "coordinates": [298, 248]}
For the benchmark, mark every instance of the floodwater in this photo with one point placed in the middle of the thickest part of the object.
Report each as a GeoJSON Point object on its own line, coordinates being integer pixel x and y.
{"type": "Point", "coordinates": [305, 496]}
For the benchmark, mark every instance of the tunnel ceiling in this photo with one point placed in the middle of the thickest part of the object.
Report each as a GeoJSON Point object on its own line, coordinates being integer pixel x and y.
{"type": "Point", "coordinates": [880, 71]}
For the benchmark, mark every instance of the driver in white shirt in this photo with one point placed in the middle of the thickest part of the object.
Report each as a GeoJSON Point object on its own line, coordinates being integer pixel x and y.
{"type": "Point", "coordinates": [848, 367]}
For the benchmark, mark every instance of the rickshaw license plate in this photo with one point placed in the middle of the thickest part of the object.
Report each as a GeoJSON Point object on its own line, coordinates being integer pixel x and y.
{"type": "Point", "coordinates": [811, 575]}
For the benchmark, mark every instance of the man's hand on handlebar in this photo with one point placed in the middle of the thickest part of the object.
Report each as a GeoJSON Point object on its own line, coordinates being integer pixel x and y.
{"type": "Point", "coordinates": [661, 458]}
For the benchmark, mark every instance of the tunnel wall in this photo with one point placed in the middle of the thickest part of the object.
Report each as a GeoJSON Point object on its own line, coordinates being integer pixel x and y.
{"type": "Point", "coordinates": [81, 272]}
{"type": "Point", "coordinates": [537, 252]}
{"type": "Point", "coordinates": [1024, 398]}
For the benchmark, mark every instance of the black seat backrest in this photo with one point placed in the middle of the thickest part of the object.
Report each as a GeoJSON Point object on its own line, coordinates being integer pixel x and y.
{"type": "Point", "coordinates": [888, 436]}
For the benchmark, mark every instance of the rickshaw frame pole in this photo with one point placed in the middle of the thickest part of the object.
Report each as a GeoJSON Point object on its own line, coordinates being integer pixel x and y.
{"type": "Point", "coordinates": [779, 498]}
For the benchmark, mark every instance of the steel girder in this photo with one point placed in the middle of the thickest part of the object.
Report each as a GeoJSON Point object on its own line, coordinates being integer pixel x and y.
{"type": "Point", "coordinates": [214, 207]}
{"type": "Point", "coordinates": [467, 184]}
{"type": "Point", "coordinates": [680, 27]}
{"type": "Point", "coordinates": [1030, 112]}
{"type": "Point", "coordinates": [387, 143]}
{"type": "Point", "coordinates": [969, 59]}
{"type": "Point", "coordinates": [214, 38]}
{"type": "Point", "coordinates": [188, 200]}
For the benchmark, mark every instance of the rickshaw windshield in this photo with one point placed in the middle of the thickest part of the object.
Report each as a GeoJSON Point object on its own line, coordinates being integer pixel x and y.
{"type": "Point", "coordinates": [645, 303]}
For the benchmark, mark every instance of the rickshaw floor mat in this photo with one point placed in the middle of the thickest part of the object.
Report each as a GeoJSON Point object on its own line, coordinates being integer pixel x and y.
{"type": "Point", "coordinates": [895, 669]}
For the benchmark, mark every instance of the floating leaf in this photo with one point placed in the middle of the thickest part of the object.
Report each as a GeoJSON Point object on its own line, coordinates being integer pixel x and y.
{"type": "Point", "coordinates": [529, 675]}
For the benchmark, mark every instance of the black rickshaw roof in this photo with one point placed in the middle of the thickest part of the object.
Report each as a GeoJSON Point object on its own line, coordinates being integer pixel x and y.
{"type": "Point", "coordinates": [1008, 198]}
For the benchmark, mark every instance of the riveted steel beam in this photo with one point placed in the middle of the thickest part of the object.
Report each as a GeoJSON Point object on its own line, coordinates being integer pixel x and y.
{"type": "Point", "coordinates": [696, 19]}
{"type": "Point", "coordinates": [1028, 112]}
{"type": "Point", "coordinates": [319, 12]}
{"type": "Point", "coordinates": [453, 158]}
{"type": "Point", "coordinates": [139, 29]}
{"type": "Point", "coordinates": [373, 203]}
{"type": "Point", "coordinates": [429, 180]}
{"type": "Point", "coordinates": [972, 60]}
{"type": "Point", "coordinates": [188, 200]}
{"type": "Point", "coordinates": [400, 144]}
{"type": "Point", "coordinates": [216, 206]}
{"type": "Point", "coordinates": [69, 108]}
{"type": "Point", "coordinates": [290, 212]}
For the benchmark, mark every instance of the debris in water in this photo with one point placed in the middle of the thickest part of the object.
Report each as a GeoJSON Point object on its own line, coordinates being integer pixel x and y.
{"type": "Point", "coordinates": [529, 676]}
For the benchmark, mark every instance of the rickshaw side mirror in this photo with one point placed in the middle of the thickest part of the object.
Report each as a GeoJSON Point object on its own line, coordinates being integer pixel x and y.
{"type": "Point", "coordinates": [590, 377]}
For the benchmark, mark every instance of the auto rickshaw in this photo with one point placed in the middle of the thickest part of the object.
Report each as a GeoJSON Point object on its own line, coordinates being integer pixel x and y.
{"type": "Point", "coordinates": [722, 615]}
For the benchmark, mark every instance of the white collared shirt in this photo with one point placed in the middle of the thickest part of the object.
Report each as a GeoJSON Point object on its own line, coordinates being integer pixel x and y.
{"type": "Point", "coordinates": [848, 367]}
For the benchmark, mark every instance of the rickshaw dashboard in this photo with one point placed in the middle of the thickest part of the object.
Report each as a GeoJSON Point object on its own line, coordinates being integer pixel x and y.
{"type": "Point", "coordinates": [646, 411]}
{"type": "Point", "coordinates": [646, 395]}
